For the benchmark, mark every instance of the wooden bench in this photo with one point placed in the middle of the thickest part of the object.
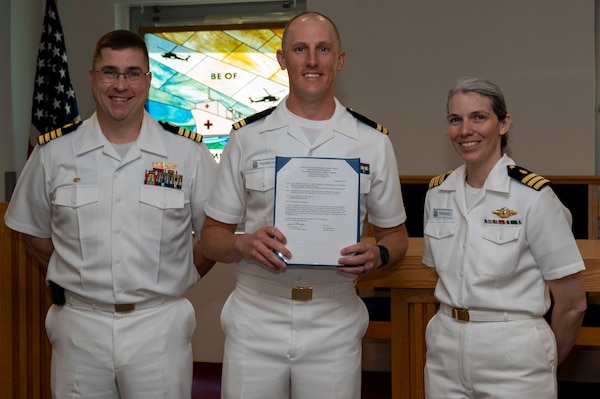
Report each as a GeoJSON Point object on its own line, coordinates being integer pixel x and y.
{"type": "Point", "coordinates": [411, 287]}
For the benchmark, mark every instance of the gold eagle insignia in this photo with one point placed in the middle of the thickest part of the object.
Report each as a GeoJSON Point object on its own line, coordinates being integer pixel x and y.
{"type": "Point", "coordinates": [504, 212]}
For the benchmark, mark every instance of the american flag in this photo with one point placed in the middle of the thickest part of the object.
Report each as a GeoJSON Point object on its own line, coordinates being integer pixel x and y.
{"type": "Point", "coordinates": [54, 103]}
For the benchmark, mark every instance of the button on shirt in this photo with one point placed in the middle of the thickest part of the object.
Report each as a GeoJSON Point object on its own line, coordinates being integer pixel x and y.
{"type": "Point", "coordinates": [488, 262]}
{"type": "Point", "coordinates": [246, 180]}
{"type": "Point", "coordinates": [116, 239]}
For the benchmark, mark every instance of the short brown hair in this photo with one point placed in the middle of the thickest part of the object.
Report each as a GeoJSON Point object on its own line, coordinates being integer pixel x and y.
{"type": "Point", "coordinates": [120, 40]}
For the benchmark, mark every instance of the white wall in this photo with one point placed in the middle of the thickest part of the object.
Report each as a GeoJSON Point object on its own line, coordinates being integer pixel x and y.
{"type": "Point", "coordinates": [208, 297]}
{"type": "Point", "coordinates": [21, 40]}
{"type": "Point", "coordinates": [5, 107]}
{"type": "Point", "coordinates": [402, 58]}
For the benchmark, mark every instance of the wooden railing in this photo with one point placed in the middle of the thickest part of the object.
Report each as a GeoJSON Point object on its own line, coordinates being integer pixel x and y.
{"type": "Point", "coordinates": [411, 287]}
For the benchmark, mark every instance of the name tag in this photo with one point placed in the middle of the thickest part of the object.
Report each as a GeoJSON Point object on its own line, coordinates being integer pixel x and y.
{"type": "Point", "coordinates": [443, 213]}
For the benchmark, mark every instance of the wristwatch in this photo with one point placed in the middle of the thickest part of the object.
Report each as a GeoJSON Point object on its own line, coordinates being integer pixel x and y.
{"type": "Point", "coordinates": [385, 255]}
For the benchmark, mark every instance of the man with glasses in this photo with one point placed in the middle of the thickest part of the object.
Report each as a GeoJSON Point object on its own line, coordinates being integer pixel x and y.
{"type": "Point", "coordinates": [108, 207]}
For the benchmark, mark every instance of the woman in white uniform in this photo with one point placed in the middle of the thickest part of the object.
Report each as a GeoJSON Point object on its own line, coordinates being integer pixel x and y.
{"type": "Point", "coordinates": [501, 242]}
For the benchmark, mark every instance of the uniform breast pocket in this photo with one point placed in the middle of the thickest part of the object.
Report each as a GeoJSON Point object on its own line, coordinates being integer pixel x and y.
{"type": "Point", "coordinates": [440, 237]}
{"type": "Point", "coordinates": [163, 214]}
{"type": "Point", "coordinates": [76, 211]}
{"type": "Point", "coordinates": [259, 185]}
{"type": "Point", "coordinates": [260, 180]}
{"type": "Point", "coordinates": [499, 252]}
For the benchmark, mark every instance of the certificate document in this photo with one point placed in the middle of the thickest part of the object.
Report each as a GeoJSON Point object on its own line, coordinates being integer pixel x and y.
{"type": "Point", "coordinates": [317, 207]}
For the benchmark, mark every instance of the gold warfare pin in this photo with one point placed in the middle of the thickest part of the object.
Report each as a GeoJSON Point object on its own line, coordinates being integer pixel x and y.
{"type": "Point", "coordinates": [504, 212]}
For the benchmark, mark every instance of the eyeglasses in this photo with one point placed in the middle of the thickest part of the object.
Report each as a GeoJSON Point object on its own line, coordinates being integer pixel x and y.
{"type": "Point", "coordinates": [111, 76]}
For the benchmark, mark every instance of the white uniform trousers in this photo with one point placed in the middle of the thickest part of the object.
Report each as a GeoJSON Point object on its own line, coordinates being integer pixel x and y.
{"type": "Point", "coordinates": [143, 354]}
{"type": "Point", "coordinates": [484, 360]}
{"type": "Point", "coordinates": [279, 348]}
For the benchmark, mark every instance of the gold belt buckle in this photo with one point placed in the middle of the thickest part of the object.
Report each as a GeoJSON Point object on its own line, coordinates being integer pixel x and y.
{"type": "Point", "coordinates": [302, 293]}
{"type": "Point", "coordinates": [460, 314]}
{"type": "Point", "coordinates": [124, 307]}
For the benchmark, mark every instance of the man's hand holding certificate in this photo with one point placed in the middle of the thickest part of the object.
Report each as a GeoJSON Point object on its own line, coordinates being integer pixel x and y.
{"type": "Point", "coordinates": [317, 207]}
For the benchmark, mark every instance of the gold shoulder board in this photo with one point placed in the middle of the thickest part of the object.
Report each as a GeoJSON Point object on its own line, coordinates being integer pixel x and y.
{"type": "Point", "coordinates": [56, 133]}
{"type": "Point", "coordinates": [253, 118]}
{"type": "Point", "coordinates": [188, 134]}
{"type": "Point", "coordinates": [528, 178]}
{"type": "Point", "coordinates": [436, 181]}
{"type": "Point", "coordinates": [368, 121]}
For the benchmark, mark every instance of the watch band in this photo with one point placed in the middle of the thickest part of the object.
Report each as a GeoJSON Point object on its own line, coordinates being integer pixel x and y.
{"type": "Point", "coordinates": [384, 254]}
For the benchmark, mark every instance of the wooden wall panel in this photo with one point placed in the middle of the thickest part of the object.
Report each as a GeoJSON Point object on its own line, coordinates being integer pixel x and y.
{"type": "Point", "coordinates": [25, 299]}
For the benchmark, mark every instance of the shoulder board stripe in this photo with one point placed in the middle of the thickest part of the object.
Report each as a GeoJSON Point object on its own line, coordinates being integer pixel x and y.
{"type": "Point", "coordinates": [437, 180]}
{"type": "Point", "coordinates": [528, 178]}
{"type": "Point", "coordinates": [188, 134]}
{"type": "Point", "coordinates": [253, 118]}
{"type": "Point", "coordinates": [61, 131]}
{"type": "Point", "coordinates": [534, 180]}
{"type": "Point", "coordinates": [368, 121]}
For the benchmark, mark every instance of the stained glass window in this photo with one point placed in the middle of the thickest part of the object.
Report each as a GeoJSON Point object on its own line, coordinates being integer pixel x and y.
{"type": "Point", "coordinates": [206, 78]}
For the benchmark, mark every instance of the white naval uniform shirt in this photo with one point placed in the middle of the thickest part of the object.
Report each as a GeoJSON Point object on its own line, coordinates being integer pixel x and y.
{"type": "Point", "coordinates": [246, 178]}
{"type": "Point", "coordinates": [116, 239]}
{"type": "Point", "coordinates": [488, 262]}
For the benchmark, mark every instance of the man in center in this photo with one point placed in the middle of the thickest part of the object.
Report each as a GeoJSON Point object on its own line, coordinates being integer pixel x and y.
{"type": "Point", "coordinates": [279, 344]}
